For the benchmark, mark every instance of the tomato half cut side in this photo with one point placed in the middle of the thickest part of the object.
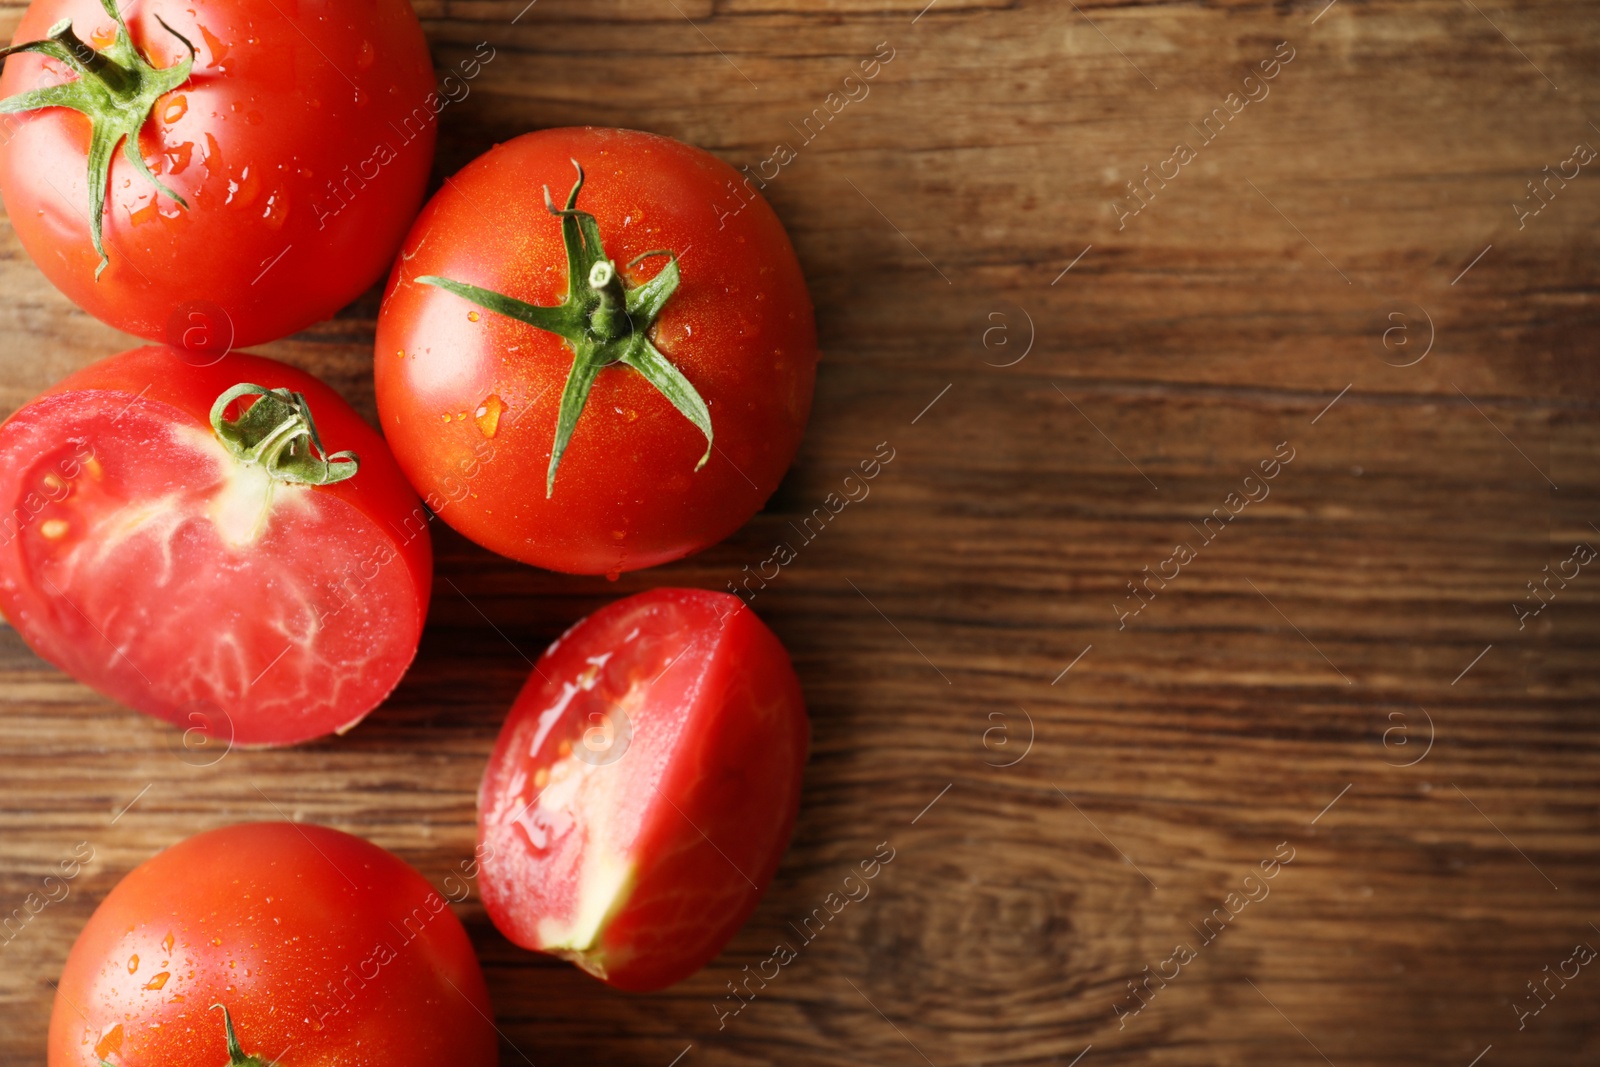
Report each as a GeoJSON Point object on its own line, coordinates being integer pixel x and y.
{"type": "Point", "coordinates": [145, 558]}
{"type": "Point", "coordinates": [644, 787]}
{"type": "Point", "coordinates": [272, 944]}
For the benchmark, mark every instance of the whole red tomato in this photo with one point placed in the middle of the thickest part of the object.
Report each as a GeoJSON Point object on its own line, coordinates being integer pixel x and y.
{"type": "Point", "coordinates": [272, 943]}
{"type": "Point", "coordinates": [644, 787]}
{"type": "Point", "coordinates": [215, 172]}
{"type": "Point", "coordinates": [603, 387]}
{"type": "Point", "coordinates": [210, 563]}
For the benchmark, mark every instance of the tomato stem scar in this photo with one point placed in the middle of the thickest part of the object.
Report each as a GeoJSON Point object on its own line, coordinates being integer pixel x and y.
{"type": "Point", "coordinates": [276, 432]}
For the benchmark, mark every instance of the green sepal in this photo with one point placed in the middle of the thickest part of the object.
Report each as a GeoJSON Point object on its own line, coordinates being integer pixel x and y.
{"type": "Point", "coordinates": [602, 320]}
{"type": "Point", "coordinates": [278, 433]}
{"type": "Point", "coordinates": [556, 320]}
{"type": "Point", "coordinates": [585, 368]}
{"type": "Point", "coordinates": [236, 1054]}
{"type": "Point", "coordinates": [116, 89]}
{"type": "Point", "coordinates": [669, 381]}
{"type": "Point", "coordinates": [646, 301]}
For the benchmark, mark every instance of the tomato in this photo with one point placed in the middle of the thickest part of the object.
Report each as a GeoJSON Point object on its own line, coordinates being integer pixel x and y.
{"type": "Point", "coordinates": [263, 597]}
{"type": "Point", "coordinates": [271, 157]}
{"type": "Point", "coordinates": [590, 422]}
{"type": "Point", "coordinates": [296, 945]}
{"type": "Point", "coordinates": [644, 787]}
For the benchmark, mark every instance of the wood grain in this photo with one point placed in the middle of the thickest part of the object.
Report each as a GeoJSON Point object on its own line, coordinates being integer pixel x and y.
{"type": "Point", "coordinates": [1259, 698]}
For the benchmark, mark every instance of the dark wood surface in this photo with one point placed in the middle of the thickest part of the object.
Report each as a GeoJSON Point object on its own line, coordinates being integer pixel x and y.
{"type": "Point", "coordinates": [1269, 699]}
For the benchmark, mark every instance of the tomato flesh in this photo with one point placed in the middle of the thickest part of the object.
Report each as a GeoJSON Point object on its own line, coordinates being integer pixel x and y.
{"type": "Point", "coordinates": [138, 555]}
{"type": "Point", "coordinates": [644, 787]}
{"type": "Point", "coordinates": [323, 947]}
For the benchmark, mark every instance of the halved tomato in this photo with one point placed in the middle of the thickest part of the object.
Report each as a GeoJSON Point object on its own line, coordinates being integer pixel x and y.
{"type": "Point", "coordinates": [223, 573]}
{"type": "Point", "coordinates": [644, 787]}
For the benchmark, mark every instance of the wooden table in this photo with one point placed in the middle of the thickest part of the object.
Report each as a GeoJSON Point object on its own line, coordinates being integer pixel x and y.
{"type": "Point", "coordinates": [1071, 388]}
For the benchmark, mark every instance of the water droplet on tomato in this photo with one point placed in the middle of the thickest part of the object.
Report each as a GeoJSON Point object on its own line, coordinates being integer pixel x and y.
{"type": "Point", "coordinates": [103, 35]}
{"type": "Point", "coordinates": [276, 212]}
{"type": "Point", "coordinates": [488, 414]}
{"type": "Point", "coordinates": [176, 108]}
{"type": "Point", "coordinates": [473, 316]}
{"type": "Point", "coordinates": [53, 529]}
{"type": "Point", "coordinates": [613, 574]}
{"type": "Point", "coordinates": [158, 981]}
{"type": "Point", "coordinates": [133, 963]}
{"type": "Point", "coordinates": [110, 1044]}
{"type": "Point", "coordinates": [179, 156]}
{"type": "Point", "coordinates": [365, 55]}
{"type": "Point", "coordinates": [217, 48]}
{"type": "Point", "coordinates": [213, 156]}
{"type": "Point", "coordinates": [167, 942]}
{"type": "Point", "coordinates": [244, 190]}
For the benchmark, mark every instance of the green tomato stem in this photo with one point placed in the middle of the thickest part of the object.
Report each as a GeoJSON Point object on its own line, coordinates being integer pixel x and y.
{"type": "Point", "coordinates": [277, 433]}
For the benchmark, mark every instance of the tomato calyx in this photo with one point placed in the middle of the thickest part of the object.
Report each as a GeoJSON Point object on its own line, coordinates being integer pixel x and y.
{"type": "Point", "coordinates": [603, 320]}
{"type": "Point", "coordinates": [116, 89]}
{"type": "Point", "coordinates": [278, 434]}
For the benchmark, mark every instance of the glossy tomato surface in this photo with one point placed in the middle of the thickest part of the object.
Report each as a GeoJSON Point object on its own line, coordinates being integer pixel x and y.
{"type": "Point", "coordinates": [644, 787]}
{"type": "Point", "coordinates": [137, 554]}
{"type": "Point", "coordinates": [469, 398]}
{"type": "Point", "coordinates": [323, 948]}
{"type": "Point", "coordinates": [301, 143]}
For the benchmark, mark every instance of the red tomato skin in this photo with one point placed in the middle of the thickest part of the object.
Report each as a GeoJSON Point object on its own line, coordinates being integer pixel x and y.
{"type": "Point", "coordinates": [265, 918]}
{"type": "Point", "coordinates": [158, 380]}
{"type": "Point", "coordinates": [740, 327]}
{"type": "Point", "coordinates": [274, 144]}
{"type": "Point", "coordinates": [716, 797]}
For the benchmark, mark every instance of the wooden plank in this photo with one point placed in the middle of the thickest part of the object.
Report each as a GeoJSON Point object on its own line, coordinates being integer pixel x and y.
{"type": "Point", "coordinates": [1070, 393]}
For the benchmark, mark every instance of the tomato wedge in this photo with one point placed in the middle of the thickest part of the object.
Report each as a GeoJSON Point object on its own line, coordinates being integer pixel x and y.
{"type": "Point", "coordinates": [150, 559]}
{"type": "Point", "coordinates": [272, 944]}
{"type": "Point", "coordinates": [644, 787]}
